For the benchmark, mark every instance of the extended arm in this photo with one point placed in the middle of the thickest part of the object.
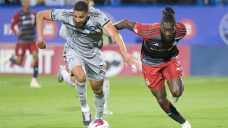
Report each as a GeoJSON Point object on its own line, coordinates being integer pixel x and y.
{"type": "Point", "coordinates": [125, 24]}
{"type": "Point", "coordinates": [40, 17]}
{"type": "Point", "coordinates": [111, 30]}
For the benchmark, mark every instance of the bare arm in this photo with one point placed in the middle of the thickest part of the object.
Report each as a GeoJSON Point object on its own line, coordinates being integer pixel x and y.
{"type": "Point", "coordinates": [125, 24]}
{"type": "Point", "coordinates": [111, 30]}
{"type": "Point", "coordinates": [40, 17]}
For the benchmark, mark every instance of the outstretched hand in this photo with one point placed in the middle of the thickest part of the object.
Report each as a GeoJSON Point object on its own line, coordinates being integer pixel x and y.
{"type": "Point", "coordinates": [130, 60]}
{"type": "Point", "coordinates": [41, 44]}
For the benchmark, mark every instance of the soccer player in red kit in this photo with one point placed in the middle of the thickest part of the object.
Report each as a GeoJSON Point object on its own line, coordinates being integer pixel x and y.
{"type": "Point", "coordinates": [25, 20]}
{"type": "Point", "coordinates": [159, 56]}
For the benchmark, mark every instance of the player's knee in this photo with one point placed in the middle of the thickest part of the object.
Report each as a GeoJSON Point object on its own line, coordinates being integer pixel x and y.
{"type": "Point", "coordinates": [19, 61]}
{"type": "Point", "coordinates": [72, 78]}
{"type": "Point", "coordinates": [35, 59]}
{"type": "Point", "coordinates": [177, 92]}
{"type": "Point", "coordinates": [81, 78]}
{"type": "Point", "coordinates": [98, 91]}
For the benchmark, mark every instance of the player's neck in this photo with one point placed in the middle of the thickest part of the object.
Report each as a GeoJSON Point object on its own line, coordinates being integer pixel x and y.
{"type": "Point", "coordinates": [25, 10]}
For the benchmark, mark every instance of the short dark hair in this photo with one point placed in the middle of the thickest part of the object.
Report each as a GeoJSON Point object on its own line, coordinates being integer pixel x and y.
{"type": "Point", "coordinates": [168, 10]}
{"type": "Point", "coordinates": [168, 15]}
{"type": "Point", "coordinates": [81, 6]}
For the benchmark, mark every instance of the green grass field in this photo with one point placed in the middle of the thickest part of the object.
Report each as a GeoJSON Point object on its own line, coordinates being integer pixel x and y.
{"type": "Point", "coordinates": [204, 103]}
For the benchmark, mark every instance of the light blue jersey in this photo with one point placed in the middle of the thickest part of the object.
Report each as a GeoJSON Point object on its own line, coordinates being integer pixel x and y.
{"type": "Point", "coordinates": [83, 40]}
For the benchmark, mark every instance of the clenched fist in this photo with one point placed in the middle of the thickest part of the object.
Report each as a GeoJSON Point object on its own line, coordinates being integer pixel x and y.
{"type": "Point", "coordinates": [41, 44]}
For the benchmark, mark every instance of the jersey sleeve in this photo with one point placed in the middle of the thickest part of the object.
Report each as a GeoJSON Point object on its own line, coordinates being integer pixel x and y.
{"type": "Point", "coordinates": [102, 19]}
{"type": "Point", "coordinates": [14, 22]}
{"type": "Point", "coordinates": [181, 30]}
{"type": "Point", "coordinates": [60, 14]}
{"type": "Point", "coordinates": [147, 31]}
{"type": "Point", "coordinates": [138, 29]}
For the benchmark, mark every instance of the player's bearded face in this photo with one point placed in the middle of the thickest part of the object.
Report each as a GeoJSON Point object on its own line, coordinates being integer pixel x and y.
{"type": "Point", "coordinates": [80, 18]}
{"type": "Point", "coordinates": [168, 31]}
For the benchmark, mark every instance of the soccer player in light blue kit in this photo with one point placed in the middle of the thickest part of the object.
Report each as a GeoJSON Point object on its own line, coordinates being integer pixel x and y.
{"type": "Point", "coordinates": [85, 28]}
{"type": "Point", "coordinates": [64, 75]}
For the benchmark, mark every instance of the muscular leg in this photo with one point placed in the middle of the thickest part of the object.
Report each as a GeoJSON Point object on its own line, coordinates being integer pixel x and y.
{"type": "Point", "coordinates": [16, 60]}
{"type": "Point", "coordinates": [20, 52]}
{"type": "Point", "coordinates": [80, 78]}
{"type": "Point", "coordinates": [172, 73]}
{"type": "Point", "coordinates": [164, 103]}
{"type": "Point", "coordinates": [176, 87]}
{"type": "Point", "coordinates": [35, 64]}
{"type": "Point", "coordinates": [34, 83]}
{"type": "Point", "coordinates": [66, 77]}
{"type": "Point", "coordinates": [99, 97]}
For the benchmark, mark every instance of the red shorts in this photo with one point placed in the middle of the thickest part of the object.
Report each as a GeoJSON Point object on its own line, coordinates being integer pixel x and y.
{"type": "Point", "coordinates": [22, 47]}
{"type": "Point", "coordinates": [155, 75]}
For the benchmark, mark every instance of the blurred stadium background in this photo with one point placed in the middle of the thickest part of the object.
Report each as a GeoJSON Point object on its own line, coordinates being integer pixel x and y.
{"type": "Point", "coordinates": [203, 57]}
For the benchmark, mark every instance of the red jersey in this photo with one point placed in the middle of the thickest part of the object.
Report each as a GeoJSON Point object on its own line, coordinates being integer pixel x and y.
{"type": "Point", "coordinates": [26, 22]}
{"type": "Point", "coordinates": [154, 50]}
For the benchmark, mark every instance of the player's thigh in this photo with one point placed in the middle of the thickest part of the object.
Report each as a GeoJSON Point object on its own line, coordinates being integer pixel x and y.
{"type": "Point", "coordinates": [153, 77]}
{"type": "Point", "coordinates": [160, 94]}
{"type": "Point", "coordinates": [20, 50]}
{"type": "Point", "coordinates": [75, 64]}
{"type": "Point", "coordinates": [95, 67]}
{"type": "Point", "coordinates": [79, 73]}
{"type": "Point", "coordinates": [33, 50]}
{"type": "Point", "coordinates": [176, 87]}
{"type": "Point", "coordinates": [173, 74]}
{"type": "Point", "coordinates": [96, 86]}
{"type": "Point", "coordinates": [172, 69]}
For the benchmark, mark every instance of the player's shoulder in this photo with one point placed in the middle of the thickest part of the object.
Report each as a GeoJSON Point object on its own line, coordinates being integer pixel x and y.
{"type": "Point", "coordinates": [156, 26]}
{"type": "Point", "coordinates": [180, 25]}
{"type": "Point", "coordinates": [147, 31]}
{"type": "Point", "coordinates": [152, 26]}
{"type": "Point", "coordinates": [94, 12]}
{"type": "Point", "coordinates": [32, 12]}
{"type": "Point", "coordinates": [68, 12]}
{"type": "Point", "coordinates": [19, 12]}
{"type": "Point", "coordinates": [64, 12]}
{"type": "Point", "coordinates": [180, 30]}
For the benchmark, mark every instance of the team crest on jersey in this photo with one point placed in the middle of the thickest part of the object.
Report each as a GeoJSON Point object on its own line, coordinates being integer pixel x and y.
{"type": "Point", "coordinates": [70, 59]}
